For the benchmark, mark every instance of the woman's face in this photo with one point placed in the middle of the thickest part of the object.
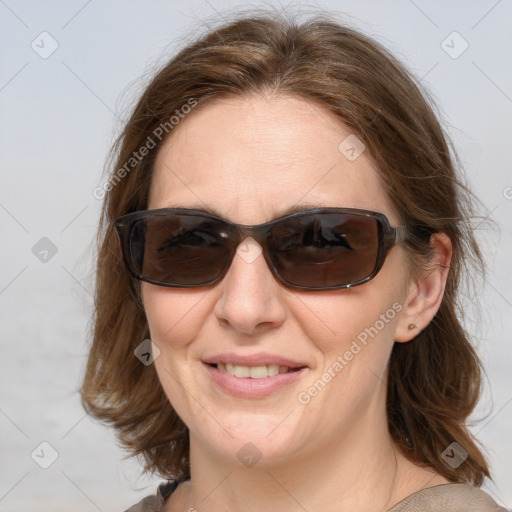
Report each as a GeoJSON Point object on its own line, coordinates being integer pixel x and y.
{"type": "Point", "coordinates": [250, 159]}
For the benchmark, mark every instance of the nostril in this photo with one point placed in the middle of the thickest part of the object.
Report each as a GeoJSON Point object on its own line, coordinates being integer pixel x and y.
{"type": "Point", "coordinates": [223, 322]}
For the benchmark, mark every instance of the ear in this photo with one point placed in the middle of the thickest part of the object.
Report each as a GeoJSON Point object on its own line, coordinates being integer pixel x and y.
{"type": "Point", "coordinates": [426, 291]}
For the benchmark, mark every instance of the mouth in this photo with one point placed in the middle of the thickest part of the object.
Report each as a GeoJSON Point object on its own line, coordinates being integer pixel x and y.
{"type": "Point", "coordinates": [254, 372]}
{"type": "Point", "coordinates": [256, 380]}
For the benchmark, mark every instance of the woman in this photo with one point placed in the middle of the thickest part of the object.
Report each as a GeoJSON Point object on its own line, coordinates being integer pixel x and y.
{"type": "Point", "coordinates": [281, 246]}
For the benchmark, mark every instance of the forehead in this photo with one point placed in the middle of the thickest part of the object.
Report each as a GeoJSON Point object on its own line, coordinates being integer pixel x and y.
{"type": "Point", "coordinates": [252, 158]}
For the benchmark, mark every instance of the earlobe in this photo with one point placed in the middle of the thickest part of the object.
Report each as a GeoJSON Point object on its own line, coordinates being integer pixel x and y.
{"type": "Point", "coordinates": [426, 291]}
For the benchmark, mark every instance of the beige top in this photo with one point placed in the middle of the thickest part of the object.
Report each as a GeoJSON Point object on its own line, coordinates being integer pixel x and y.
{"type": "Point", "coordinates": [441, 498]}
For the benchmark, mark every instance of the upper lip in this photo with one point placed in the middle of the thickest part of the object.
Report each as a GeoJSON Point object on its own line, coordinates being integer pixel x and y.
{"type": "Point", "coordinates": [259, 359]}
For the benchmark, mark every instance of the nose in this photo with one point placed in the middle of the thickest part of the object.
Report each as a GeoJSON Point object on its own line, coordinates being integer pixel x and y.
{"type": "Point", "coordinates": [251, 297]}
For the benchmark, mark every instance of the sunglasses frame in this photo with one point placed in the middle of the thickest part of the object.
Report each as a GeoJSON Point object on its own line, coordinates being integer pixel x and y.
{"type": "Point", "coordinates": [388, 237]}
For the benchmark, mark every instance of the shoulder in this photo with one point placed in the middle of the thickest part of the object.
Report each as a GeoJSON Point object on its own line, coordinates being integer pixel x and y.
{"type": "Point", "coordinates": [448, 498]}
{"type": "Point", "coordinates": [155, 502]}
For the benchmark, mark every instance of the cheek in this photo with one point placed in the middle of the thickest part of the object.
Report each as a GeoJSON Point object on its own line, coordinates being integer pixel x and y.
{"type": "Point", "coordinates": [361, 320]}
{"type": "Point", "coordinates": [174, 315]}
{"type": "Point", "coordinates": [353, 325]}
{"type": "Point", "coordinates": [353, 353]}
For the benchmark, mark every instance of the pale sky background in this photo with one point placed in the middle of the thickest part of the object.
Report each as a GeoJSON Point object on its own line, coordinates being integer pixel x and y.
{"type": "Point", "coordinates": [58, 118]}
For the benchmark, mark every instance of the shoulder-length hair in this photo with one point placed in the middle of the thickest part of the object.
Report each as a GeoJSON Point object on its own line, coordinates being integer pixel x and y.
{"type": "Point", "coordinates": [435, 380]}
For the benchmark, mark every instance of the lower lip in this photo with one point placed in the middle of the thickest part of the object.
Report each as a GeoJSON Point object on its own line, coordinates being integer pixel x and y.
{"type": "Point", "coordinates": [246, 387]}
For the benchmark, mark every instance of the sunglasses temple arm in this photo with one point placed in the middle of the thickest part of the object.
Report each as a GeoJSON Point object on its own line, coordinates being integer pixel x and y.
{"type": "Point", "coordinates": [400, 234]}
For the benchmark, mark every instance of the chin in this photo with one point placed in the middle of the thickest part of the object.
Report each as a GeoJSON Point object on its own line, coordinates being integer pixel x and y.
{"type": "Point", "coordinates": [239, 439]}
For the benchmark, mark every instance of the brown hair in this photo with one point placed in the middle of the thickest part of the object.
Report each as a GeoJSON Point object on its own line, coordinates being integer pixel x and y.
{"type": "Point", "coordinates": [435, 380]}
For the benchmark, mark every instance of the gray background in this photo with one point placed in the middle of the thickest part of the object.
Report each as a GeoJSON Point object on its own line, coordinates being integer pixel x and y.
{"type": "Point", "coordinates": [59, 116]}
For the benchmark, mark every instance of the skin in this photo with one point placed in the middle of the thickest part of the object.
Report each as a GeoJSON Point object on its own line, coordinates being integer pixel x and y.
{"type": "Point", "coordinates": [250, 158]}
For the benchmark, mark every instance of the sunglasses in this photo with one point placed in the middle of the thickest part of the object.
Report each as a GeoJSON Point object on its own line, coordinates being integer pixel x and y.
{"type": "Point", "coordinates": [319, 249]}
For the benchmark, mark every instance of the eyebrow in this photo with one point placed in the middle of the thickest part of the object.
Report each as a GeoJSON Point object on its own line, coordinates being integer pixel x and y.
{"type": "Point", "coordinates": [203, 207]}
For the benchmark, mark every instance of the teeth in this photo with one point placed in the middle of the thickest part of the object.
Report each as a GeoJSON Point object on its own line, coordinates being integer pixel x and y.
{"type": "Point", "coordinates": [254, 372]}
{"type": "Point", "coordinates": [272, 369]}
{"type": "Point", "coordinates": [257, 372]}
{"type": "Point", "coordinates": [242, 371]}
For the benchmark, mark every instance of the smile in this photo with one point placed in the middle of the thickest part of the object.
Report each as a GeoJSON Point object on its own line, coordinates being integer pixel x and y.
{"type": "Point", "coordinates": [255, 381]}
{"type": "Point", "coordinates": [254, 372]}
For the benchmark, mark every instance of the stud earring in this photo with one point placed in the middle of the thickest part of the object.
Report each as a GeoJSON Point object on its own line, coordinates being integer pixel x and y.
{"type": "Point", "coordinates": [412, 326]}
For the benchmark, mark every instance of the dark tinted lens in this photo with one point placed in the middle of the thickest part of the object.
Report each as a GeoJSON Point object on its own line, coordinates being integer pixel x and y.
{"type": "Point", "coordinates": [179, 249]}
{"type": "Point", "coordinates": [328, 249]}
